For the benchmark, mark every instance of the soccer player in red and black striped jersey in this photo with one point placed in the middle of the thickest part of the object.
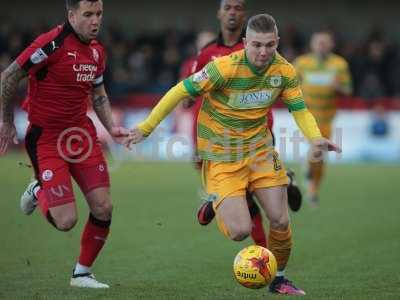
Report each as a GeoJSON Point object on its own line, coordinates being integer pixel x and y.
{"type": "Point", "coordinates": [232, 17]}
{"type": "Point", "coordinates": [65, 69]}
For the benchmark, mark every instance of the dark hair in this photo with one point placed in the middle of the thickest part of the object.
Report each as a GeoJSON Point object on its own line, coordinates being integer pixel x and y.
{"type": "Point", "coordinates": [74, 4]}
{"type": "Point", "coordinates": [262, 23]}
{"type": "Point", "coordinates": [222, 3]}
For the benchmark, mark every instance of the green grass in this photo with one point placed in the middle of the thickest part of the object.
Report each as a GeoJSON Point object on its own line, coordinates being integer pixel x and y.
{"type": "Point", "coordinates": [349, 248]}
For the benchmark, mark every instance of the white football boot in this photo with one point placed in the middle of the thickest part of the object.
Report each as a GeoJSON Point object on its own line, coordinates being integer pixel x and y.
{"type": "Point", "coordinates": [28, 200]}
{"type": "Point", "coordinates": [87, 280]}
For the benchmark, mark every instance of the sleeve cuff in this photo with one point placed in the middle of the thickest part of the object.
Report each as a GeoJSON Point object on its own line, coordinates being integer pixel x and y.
{"type": "Point", "coordinates": [190, 88]}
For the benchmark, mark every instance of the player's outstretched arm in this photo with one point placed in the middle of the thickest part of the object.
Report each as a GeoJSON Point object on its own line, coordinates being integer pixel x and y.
{"type": "Point", "coordinates": [10, 79]}
{"type": "Point", "coordinates": [159, 112]}
{"type": "Point", "coordinates": [102, 107]}
{"type": "Point", "coordinates": [307, 124]}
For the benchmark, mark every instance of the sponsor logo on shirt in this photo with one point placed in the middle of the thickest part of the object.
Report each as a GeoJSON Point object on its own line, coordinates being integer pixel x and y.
{"type": "Point", "coordinates": [251, 100]}
{"type": "Point", "coordinates": [319, 78]}
{"type": "Point", "coordinates": [38, 56]}
{"type": "Point", "coordinates": [85, 72]}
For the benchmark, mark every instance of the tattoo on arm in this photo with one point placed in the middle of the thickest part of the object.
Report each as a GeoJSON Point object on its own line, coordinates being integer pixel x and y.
{"type": "Point", "coordinates": [99, 101]}
{"type": "Point", "coordinates": [8, 87]}
{"type": "Point", "coordinates": [102, 107]}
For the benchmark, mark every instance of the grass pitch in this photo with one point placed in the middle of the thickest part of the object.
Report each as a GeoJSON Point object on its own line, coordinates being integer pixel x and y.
{"type": "Point", "coordinates": [349, 248]}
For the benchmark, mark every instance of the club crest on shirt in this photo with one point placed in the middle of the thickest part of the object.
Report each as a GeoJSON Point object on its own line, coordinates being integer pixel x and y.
{"type": "Point", "coordinates": [38, 56]}
{"type": "Point", "coordinates": [47, 175]}
{"type": "Point", "coordinates": [276, 81]}
{"type": "Point", "coordinates": [200, 76]}
{"type": "Point", "coordinates": [95, 55]}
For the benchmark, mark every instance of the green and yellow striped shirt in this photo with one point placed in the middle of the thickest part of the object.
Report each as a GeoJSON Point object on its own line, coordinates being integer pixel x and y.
{"type": "Point", "coordinates": [236, 99]}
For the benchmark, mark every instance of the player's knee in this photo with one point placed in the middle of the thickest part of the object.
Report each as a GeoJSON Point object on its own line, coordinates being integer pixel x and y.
{"type": "Point", "coordinates": [65, 223]}
{"type": "Point", "coordinates": [239, 232]}
{"type": "Point", "coordinates": [280, 224]}
{"type": "Point", "coordinates": [103, 210]}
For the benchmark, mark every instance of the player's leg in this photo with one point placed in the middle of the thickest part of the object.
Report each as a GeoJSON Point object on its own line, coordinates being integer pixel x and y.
{"type": "Point", "coordinates": [64, 216]}
{"type": "Point", "coordinates": [92, 177]}
{"type": "Point", "coordinates": [295, 197]}
{"type": "Point", "coordinates": [315, 173]}
{"type": "Point", "coordinates": [257, 227]}
{"type": "Point", "coordinates": [206, 214]}
{"type": "Point", "coordinates": [294, 200]}
{"type": "Point", "coordinates": [225, 184]}
{"type": "Point", "coordinates": [233, 218]}
{"type": "Point", "coordinates": [94, 237]}
{"type": "Point", "coordinates": [52, 189]}
{"type": "Point", "coordinates": [96, 229]}
{"type": "Point", "coordinates": [56, 200]}
{"type": "Point", "coordinates": [274, 202]}
{"type": "Point", "coordinates": [294, 193]}
{"type": "Point", "coordinates": [269, 180]}
{"type": "Point", "coordinates": [316, 168]}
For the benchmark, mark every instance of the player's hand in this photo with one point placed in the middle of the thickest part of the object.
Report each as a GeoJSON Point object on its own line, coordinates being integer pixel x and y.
{"type": "Point", "coordinates": [121, 136]}
{"type": "Point", "coordinates": [188, 103]}
{"type": "Point", "coordinates": [321, 145]}
{"type": "Point", "coordinates": [339, 89]}
{"type": "Point", "coordinates": [8, 134]}
{"type": "Point", "coordinates": [326, 145]}
{"type": "Point", "coordinates": [136, 135]}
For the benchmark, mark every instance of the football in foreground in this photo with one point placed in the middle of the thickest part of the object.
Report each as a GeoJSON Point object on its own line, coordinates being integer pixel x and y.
{"type": "Point", "coordinates": [254, 267]}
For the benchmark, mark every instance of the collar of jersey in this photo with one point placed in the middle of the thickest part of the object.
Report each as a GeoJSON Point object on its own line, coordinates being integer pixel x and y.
{"type": "Point", "coordinates": [220, 40]}
{"type": "Point", "coordinates": [254, 69]}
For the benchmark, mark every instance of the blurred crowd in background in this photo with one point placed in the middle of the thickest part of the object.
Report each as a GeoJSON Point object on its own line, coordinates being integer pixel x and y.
{"type": "Point", "coordinates": [150, 62]}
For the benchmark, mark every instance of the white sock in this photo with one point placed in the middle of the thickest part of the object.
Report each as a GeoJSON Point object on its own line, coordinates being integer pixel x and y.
{"type": "Point", "coordinates": [80, 269]}
{"type": "Point", "coordinates": [280, 273]}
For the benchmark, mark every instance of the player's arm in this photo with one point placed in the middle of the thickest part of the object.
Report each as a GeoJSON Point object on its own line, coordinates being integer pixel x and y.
{"type": "Point", "coordinates": [308, 126]}
{"type": "Point", "coordinates": [293, 98]}
{"type": "Point", "coordinates": [343, 83]}
{"type": "Point", "coordinates": [207, 79]}
{"type": "Point", "coordinates": [167, 103]}
{"type": "Point", "coordinates": [197, 65]}
{"type": "Point", "coordinates": [102, 108]}
{"type": "Point", "coordinates": [10, 79]}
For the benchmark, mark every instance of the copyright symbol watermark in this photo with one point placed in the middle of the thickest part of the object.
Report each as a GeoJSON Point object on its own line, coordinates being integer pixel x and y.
{"type": "Point", "coordinates": [74, 145]}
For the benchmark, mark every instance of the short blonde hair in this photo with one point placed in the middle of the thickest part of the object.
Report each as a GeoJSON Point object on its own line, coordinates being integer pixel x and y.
{"type": "Point", "coordinates": [263, 23]}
